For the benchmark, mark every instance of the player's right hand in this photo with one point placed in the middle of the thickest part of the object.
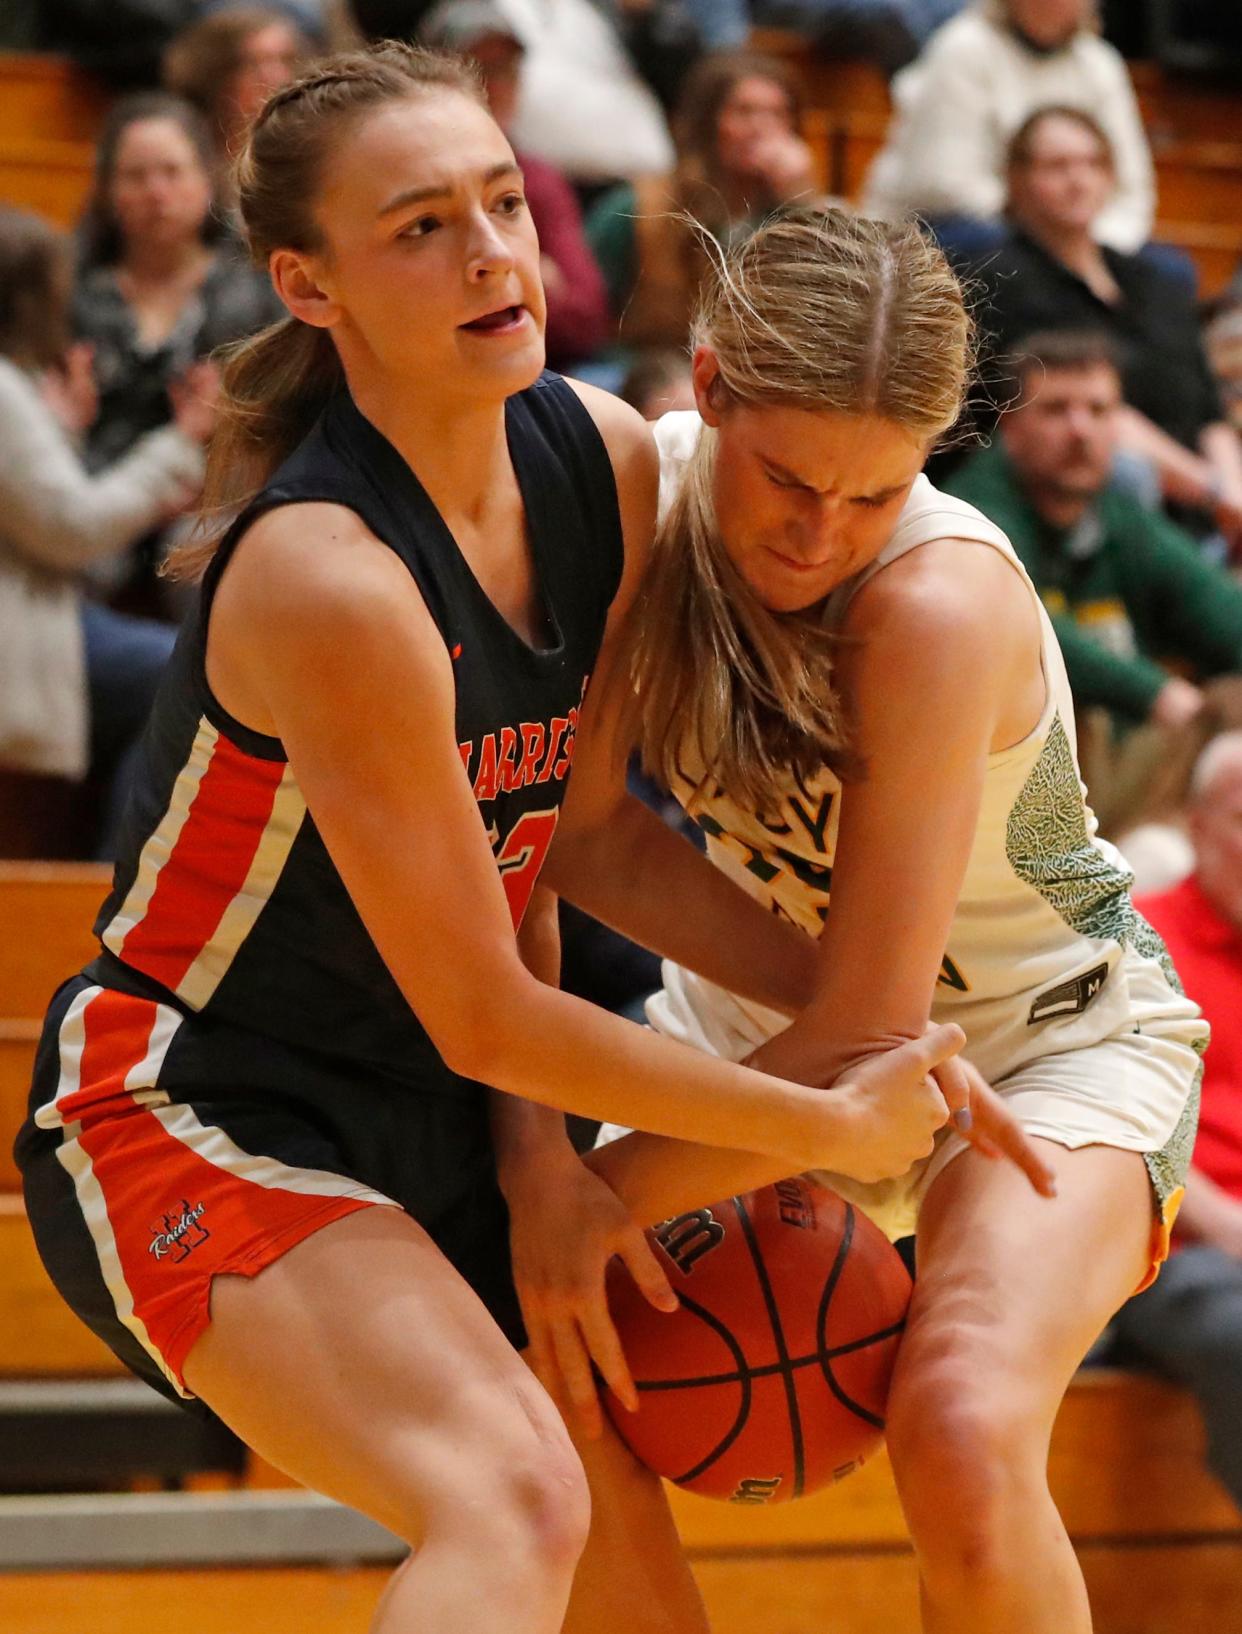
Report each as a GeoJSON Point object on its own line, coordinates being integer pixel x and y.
{"type": "Point", "coordinates": [893, 1106]}
{"type": "Point", "coordinates": [563, 1230]}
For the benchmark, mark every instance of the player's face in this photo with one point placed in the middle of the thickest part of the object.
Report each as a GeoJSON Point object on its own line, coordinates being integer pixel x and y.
{"type": "Point", "coordinates": [432, 263]}
{"type": "Point", "coordinates": [804, 498]}
{"type": "Point", "coordinates": [1065, 180]}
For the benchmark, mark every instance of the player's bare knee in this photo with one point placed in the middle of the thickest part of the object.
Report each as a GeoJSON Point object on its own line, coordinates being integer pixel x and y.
{"type": "Point", "coordinates": [538, 1508]}
{"type": "Point", "coordinates": [965, 1465]}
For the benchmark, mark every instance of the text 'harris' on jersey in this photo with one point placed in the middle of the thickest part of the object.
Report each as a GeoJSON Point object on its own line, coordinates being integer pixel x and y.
{"type": "Point", "coordinates": [517, 756]}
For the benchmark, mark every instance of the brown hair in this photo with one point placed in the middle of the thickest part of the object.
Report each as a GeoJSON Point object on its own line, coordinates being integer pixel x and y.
{"type": "Point", "coordinates": [818, 309]}
{"type": "Point", "coordinates": [709, 85]}
{"type": "Point", "coordinates": [35, 280]}
{"type": "Point", "coordinates": [1018, 151]}
{"type": "Point", "coordinates": [276, 383]}
{"type": "Point", "coordinates": [99, 236]}
{"type": "Point", "coordinates": [1073, 349]}
{"type": "Point", "coordinates": [203, 58]}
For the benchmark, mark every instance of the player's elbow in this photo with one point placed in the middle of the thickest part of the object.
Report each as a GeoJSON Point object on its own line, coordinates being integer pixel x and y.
{"type": "Point", "coordinates": [475, 1041]}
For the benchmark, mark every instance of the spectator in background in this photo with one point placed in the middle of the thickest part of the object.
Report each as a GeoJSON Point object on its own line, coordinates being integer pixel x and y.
{"type": "Point", "coordinates": [577, 323]}
{"type": "Point", "coordinates": [227, 64]}
{"type": "Point", "coordinates": [584, 106]}
{"type": "Point", "coordinates": [1125, 587]}
{"type": "Point", "coordinates": [659, 382]}
{"type": "Point", "coordinates": [739, 157]}
{"type": "Point", "coordinates": [958, 105]}
{"type": "Point", "coordinates": [124, 41]}
{"type": "Point", "coordinates": [76, 679]}
{"type": "Point", "coordinates": [886, 32]}
{"type": "Point", "coordinates": [1189, 1325]}
{"type": "Point", "coordinates": [1051, 272]}
{"type": "Point", "coordinates": [1223, 339]}
{"type": "Point", "coordinates": [161, 283]}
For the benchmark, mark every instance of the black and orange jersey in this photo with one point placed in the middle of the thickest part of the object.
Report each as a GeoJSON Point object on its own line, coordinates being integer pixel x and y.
{"type": "Point", "coordinates": [225, 902]}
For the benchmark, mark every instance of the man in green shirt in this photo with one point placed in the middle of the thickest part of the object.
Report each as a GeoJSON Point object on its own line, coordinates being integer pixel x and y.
{"type": "Point", "coordinates": [1127, 590]}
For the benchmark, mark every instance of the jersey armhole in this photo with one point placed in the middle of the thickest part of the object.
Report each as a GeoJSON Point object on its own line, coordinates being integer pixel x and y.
{"type": "Point", "coordinates": [260, 744]}
{"type": "Point", "coordinates": [587, 444]}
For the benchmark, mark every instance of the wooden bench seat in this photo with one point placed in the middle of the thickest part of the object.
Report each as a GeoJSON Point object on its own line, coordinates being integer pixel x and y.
{"type": "Point", "coordinates": [1160, 1546]}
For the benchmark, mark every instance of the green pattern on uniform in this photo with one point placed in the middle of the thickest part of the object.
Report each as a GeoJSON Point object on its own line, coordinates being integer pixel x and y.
{"type": "Point", "coordinates": [1169, 1166]}
{"type": "Point", "coordinates": [1049, 848]}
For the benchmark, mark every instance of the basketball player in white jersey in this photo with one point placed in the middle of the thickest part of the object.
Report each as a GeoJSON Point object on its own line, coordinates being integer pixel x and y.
{"type": "Point", "coordinates": [848, 680]}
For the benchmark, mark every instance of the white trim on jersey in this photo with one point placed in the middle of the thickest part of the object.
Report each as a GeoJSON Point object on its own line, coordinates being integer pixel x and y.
{"type": "Point", "coordinates": [214, 1146]}
{"type": "Point", "coordinates": [76, 1161]}
{"type": "Point", "coordinates": [163, 839]}
{"type": "Point", "coordinates": [238, 919]}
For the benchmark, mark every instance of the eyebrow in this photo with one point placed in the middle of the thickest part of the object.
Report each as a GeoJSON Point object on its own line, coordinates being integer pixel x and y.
{"type": "Point", "coordinates": [440, 190]}
{"type": "Point", "coordinates": [801, 482]}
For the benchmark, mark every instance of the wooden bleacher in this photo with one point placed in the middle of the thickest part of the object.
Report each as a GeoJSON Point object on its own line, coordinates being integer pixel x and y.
{"type": "Point", "coordinates": [51, 112]}
{"type": "Point", "coordinates": [1160, 1541]}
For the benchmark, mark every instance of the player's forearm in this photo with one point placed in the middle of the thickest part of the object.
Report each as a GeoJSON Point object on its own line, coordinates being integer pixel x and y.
{"type": "Point", "coordinates": [570, 1055]}
{"type": "Point", "coordinates": [654, 887]}
{"type": "Point", "coordinates": [529, 1139]}
{"type": "Point", "coordinates": [656, 1177]}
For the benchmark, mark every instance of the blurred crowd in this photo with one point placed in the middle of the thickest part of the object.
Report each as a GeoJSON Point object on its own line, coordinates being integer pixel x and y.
{"type": "Point", "coordinates": [1104, 436]}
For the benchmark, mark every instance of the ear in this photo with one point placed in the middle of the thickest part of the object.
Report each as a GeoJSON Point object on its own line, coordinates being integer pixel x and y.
{"type": "Point", "coordinates": [296, 280]}
{"type": "Point", "coordinates": [705, 373]}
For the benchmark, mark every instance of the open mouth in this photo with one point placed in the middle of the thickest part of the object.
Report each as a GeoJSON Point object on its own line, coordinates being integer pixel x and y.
{"type": "Point", "coordinates": [507, 318]}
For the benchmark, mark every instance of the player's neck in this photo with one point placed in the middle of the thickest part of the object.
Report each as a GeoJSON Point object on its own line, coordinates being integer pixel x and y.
{"type": "Point", "coordinates": [459, 453]}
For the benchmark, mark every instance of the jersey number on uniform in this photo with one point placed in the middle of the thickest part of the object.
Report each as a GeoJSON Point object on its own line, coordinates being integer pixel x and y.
{"type": "Point", "coordinates": [521, 857]}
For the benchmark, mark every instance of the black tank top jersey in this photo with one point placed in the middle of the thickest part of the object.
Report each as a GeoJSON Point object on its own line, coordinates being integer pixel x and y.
{"type": "Point", "coordinates": [224, 894]}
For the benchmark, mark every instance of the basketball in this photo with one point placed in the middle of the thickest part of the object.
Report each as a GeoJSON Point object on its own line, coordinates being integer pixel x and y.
{"type": "Point", "coordinates": [772, 1378]}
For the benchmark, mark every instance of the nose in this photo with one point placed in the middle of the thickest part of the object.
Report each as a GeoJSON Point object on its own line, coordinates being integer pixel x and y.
{"type": "Point", "coordinates": [814, 526]}
{"type": "Point", "coordinates": [488, 251]}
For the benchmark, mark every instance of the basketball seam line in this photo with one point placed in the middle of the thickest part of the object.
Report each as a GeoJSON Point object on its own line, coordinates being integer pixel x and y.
{"type": "Point", "coordinates": [767, 1369]}
{"type": "Point", "coordinates": [782, 1349]}
{"type": "Point", "coordinates": [821, 1326]}
{"type": "Point", "coordinates": [743, 1378]}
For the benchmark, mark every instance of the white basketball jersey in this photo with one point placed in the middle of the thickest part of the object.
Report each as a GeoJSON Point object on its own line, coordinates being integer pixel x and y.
{"type": "Point", "coordinates": [1045, 954]}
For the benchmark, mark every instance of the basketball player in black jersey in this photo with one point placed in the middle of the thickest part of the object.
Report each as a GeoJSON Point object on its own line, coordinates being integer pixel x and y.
{"type": "Point", "coordinates": [258, 1161]}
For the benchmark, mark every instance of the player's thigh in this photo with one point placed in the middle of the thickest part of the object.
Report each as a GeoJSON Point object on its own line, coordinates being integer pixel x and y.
{"type": "Point", "coordinates": [1013, 1288]}
{"type": "Point", "coordinates": [362, 1365]}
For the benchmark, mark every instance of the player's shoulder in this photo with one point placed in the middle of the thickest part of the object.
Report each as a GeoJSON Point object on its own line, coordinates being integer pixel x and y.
{"type": "Point", "coordinates": [313, 560]}
{"type": "Point", "coordinates": [949, 595]}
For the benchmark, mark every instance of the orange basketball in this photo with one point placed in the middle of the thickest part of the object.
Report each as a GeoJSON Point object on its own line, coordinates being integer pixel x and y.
{"type": "Point", "coordinates": [772, 1378]}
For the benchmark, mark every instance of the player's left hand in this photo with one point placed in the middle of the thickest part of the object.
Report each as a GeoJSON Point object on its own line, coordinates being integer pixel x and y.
{"type": "Point", "coordinates": [564, 1229]}
{"type": "Point", "coordinates": [989, 1125]}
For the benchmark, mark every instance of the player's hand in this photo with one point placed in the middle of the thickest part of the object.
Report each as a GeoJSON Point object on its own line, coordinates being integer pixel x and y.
{"type": "Point", "coordinates": [565, 1226]}
{"type": "Point", "coordinates": [992, 1128]}
{"type": "Point", "coordinates": [895, 1105]}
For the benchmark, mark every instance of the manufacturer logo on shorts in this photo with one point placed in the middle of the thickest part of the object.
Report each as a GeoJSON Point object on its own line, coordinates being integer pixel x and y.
{"type": "Point", "coordinates": [179, 1233]}
{"type": "Point", "coordinates": [1070, 998]}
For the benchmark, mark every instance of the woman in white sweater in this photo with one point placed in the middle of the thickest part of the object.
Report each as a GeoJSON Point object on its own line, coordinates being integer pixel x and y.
{"type": "Point", "coordinates": [956, 108]}
{"type": "Point", "coordinates": [76, 678]}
